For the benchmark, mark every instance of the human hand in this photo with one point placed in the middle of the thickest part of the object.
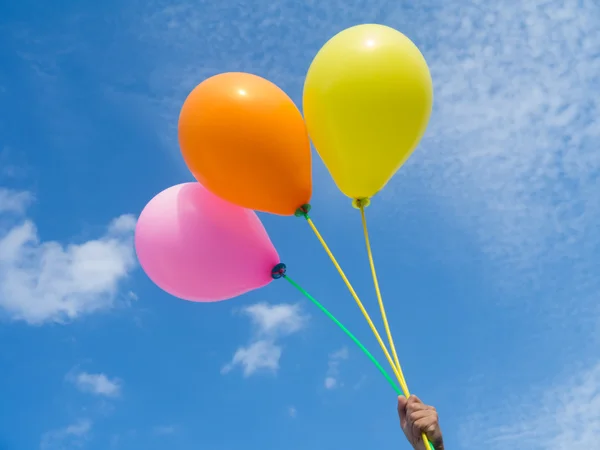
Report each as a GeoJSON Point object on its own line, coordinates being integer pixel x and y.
{"type": "Point", "coordinates": [417, 418]}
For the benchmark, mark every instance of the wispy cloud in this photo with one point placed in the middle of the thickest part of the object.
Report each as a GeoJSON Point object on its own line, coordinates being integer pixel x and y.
{"type": "Point", "coordinates": [270, 324]}
{"type": "Point", "coordinates": [333, 368]}
{"type": "Point", "coordinates": [262, 355]}
{"type": "Point", "coordinates": [275, 320]}
{"type": "Point", "coordinates": [163, 430]}
{"type": "Point", "coordinates": [562, 416]}
{"type": "Point", "coordinates": [293, 412]}
{"type": "Point", "coordinates": [97, 384]}
{"type": "Point", "coordinates": [72, 436]}
{"type": "Point", "coordinates": [50, 282]}
{"type": "Point", "coordinates": [15, 202]}
{"type": "Point", "coordinates": [9, 168]}
{"type": "Point", "coordinates": [511, 151]}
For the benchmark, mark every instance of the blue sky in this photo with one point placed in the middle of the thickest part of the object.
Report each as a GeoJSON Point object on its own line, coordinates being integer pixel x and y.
{"type": "Point", "coordinates": [488, 235]}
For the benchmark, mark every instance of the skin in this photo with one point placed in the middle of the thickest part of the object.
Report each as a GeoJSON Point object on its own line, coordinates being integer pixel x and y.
{"type": "Point", "coordinates": [416, 418]}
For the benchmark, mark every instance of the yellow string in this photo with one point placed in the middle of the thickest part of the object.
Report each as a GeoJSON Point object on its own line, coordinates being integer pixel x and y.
{"type": "Point", "coordinates": [378, 292]}
{"type": "Point", "coordinates": [382, 309]}
{"type": "Point", "coordinates": [395, 364]}
{"type": "Point", "coordinates": [399, 376]}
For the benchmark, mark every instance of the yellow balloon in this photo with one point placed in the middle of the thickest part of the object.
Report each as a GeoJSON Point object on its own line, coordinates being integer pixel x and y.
{"type": "Point", "coordinates": [367, 100]}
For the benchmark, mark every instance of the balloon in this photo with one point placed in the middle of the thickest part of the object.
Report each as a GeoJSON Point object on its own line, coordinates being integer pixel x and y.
{"type": "Point", "coordinates": [199, 247]}
{"type": "Point", "coordinates": [367, 100]}
{"type": "Point", "coordinates": [244, 139]}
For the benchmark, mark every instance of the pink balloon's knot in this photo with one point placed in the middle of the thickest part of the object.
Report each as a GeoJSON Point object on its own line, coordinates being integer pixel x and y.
{"type": "Point", "coordinates": [278, 271]}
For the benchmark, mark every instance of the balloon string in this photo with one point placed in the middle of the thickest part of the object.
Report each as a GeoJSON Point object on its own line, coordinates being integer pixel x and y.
{"type": "Point", "coordinates": [379, 297]}
{"type": "Point", "coordinates": [345, 330]}
{"type": "Point", "coordinates": [382, 309]}
{"type": "Point", "coordinates": [397, 372]}
{"type": "Point", "coordinates": [360, 305]}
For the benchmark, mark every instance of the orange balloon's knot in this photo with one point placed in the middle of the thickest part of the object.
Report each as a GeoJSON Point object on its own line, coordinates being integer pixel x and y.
{"type": "Point", "coordinates": [359, 203]}
{"type": "Point", "coordinates": [303, 211]}
{"type": "Point", "coordinates": [278, 271]}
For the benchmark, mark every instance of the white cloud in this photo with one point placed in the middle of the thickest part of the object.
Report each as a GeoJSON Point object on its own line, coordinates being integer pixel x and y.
{"type": "Point", "coordinates": [72, 436]}
{"type": "Point", "coordinates": [562, 416]}
{"type": "Point", "coordinates": [262, 355]}
{"type": "Point", "coordinates": [97, 384]}
{"type": "Point", "coordinates": [51, 282]}
{"type": "Point", "coordinates": [333, 368]}
{"type": "Point", "coordinates": [275, 320]}
{"type": "Point", "coordinates": [271, 323]}
{"type": "Point", "coordinates": [293, 412]}
{"type": "Point", "coordinates": [330, 383]}
{"type": "Point", "coordinates": [122, 225]}
{"type": "Point", "coordinates": [13, 201]}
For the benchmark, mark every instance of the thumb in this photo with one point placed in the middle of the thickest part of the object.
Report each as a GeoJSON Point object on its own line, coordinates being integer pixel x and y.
{"type": "Point", "coordinates": [402, 403]}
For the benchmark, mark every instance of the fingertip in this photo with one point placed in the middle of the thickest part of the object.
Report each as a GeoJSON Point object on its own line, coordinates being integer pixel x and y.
{"type": "Point", "coordinates": [402, 402]}
{"type": "Point", "coordinates": [414, 399]}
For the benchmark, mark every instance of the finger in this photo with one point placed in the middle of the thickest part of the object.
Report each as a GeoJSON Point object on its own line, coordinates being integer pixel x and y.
{"type": "Point", "coordinates": [414, 404]}
{"type": "Point", "coordinates": [414, 399]}
{"type": "Point", "coordinates": [421, 414]}
{"type": "Point", "coordinates": [432, 431]}
{"type": "Point", "coordinates": [415, 431]}
{"type": "Point", "coordinates": [427, 425]}
{"type": "Point", "coordinates": [402, 401]}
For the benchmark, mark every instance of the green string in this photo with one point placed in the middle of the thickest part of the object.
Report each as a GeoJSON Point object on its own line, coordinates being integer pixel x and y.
{"type": "Point", "coordinates": [351, 336]}
{"type": "Point", "coordinates": [345, 330]}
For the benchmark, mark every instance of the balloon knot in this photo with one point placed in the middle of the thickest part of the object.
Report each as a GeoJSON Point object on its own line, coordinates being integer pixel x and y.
{"type": "Point", "coordinates": [303, 211]}
{"type": "Point", "coordinates": [360, 203]}
{"type": "Point", "coordinates": [278, 271]}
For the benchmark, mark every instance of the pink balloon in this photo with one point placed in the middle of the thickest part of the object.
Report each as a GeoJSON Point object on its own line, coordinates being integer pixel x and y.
{"type": "Point", "coordinates": [199, 247]}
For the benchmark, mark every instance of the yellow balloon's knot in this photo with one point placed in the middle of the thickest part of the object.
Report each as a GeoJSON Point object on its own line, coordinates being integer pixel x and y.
{"type": "Point", "coordinates": [278, 271]}
{"type": "Point", "coordinates": [303, 211]}
{"type": "Point", "coordinates": [360, 203]}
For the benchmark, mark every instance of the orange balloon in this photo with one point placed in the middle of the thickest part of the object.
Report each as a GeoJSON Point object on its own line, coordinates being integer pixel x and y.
{"type": "Point", "coordinates": [245, 140]}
